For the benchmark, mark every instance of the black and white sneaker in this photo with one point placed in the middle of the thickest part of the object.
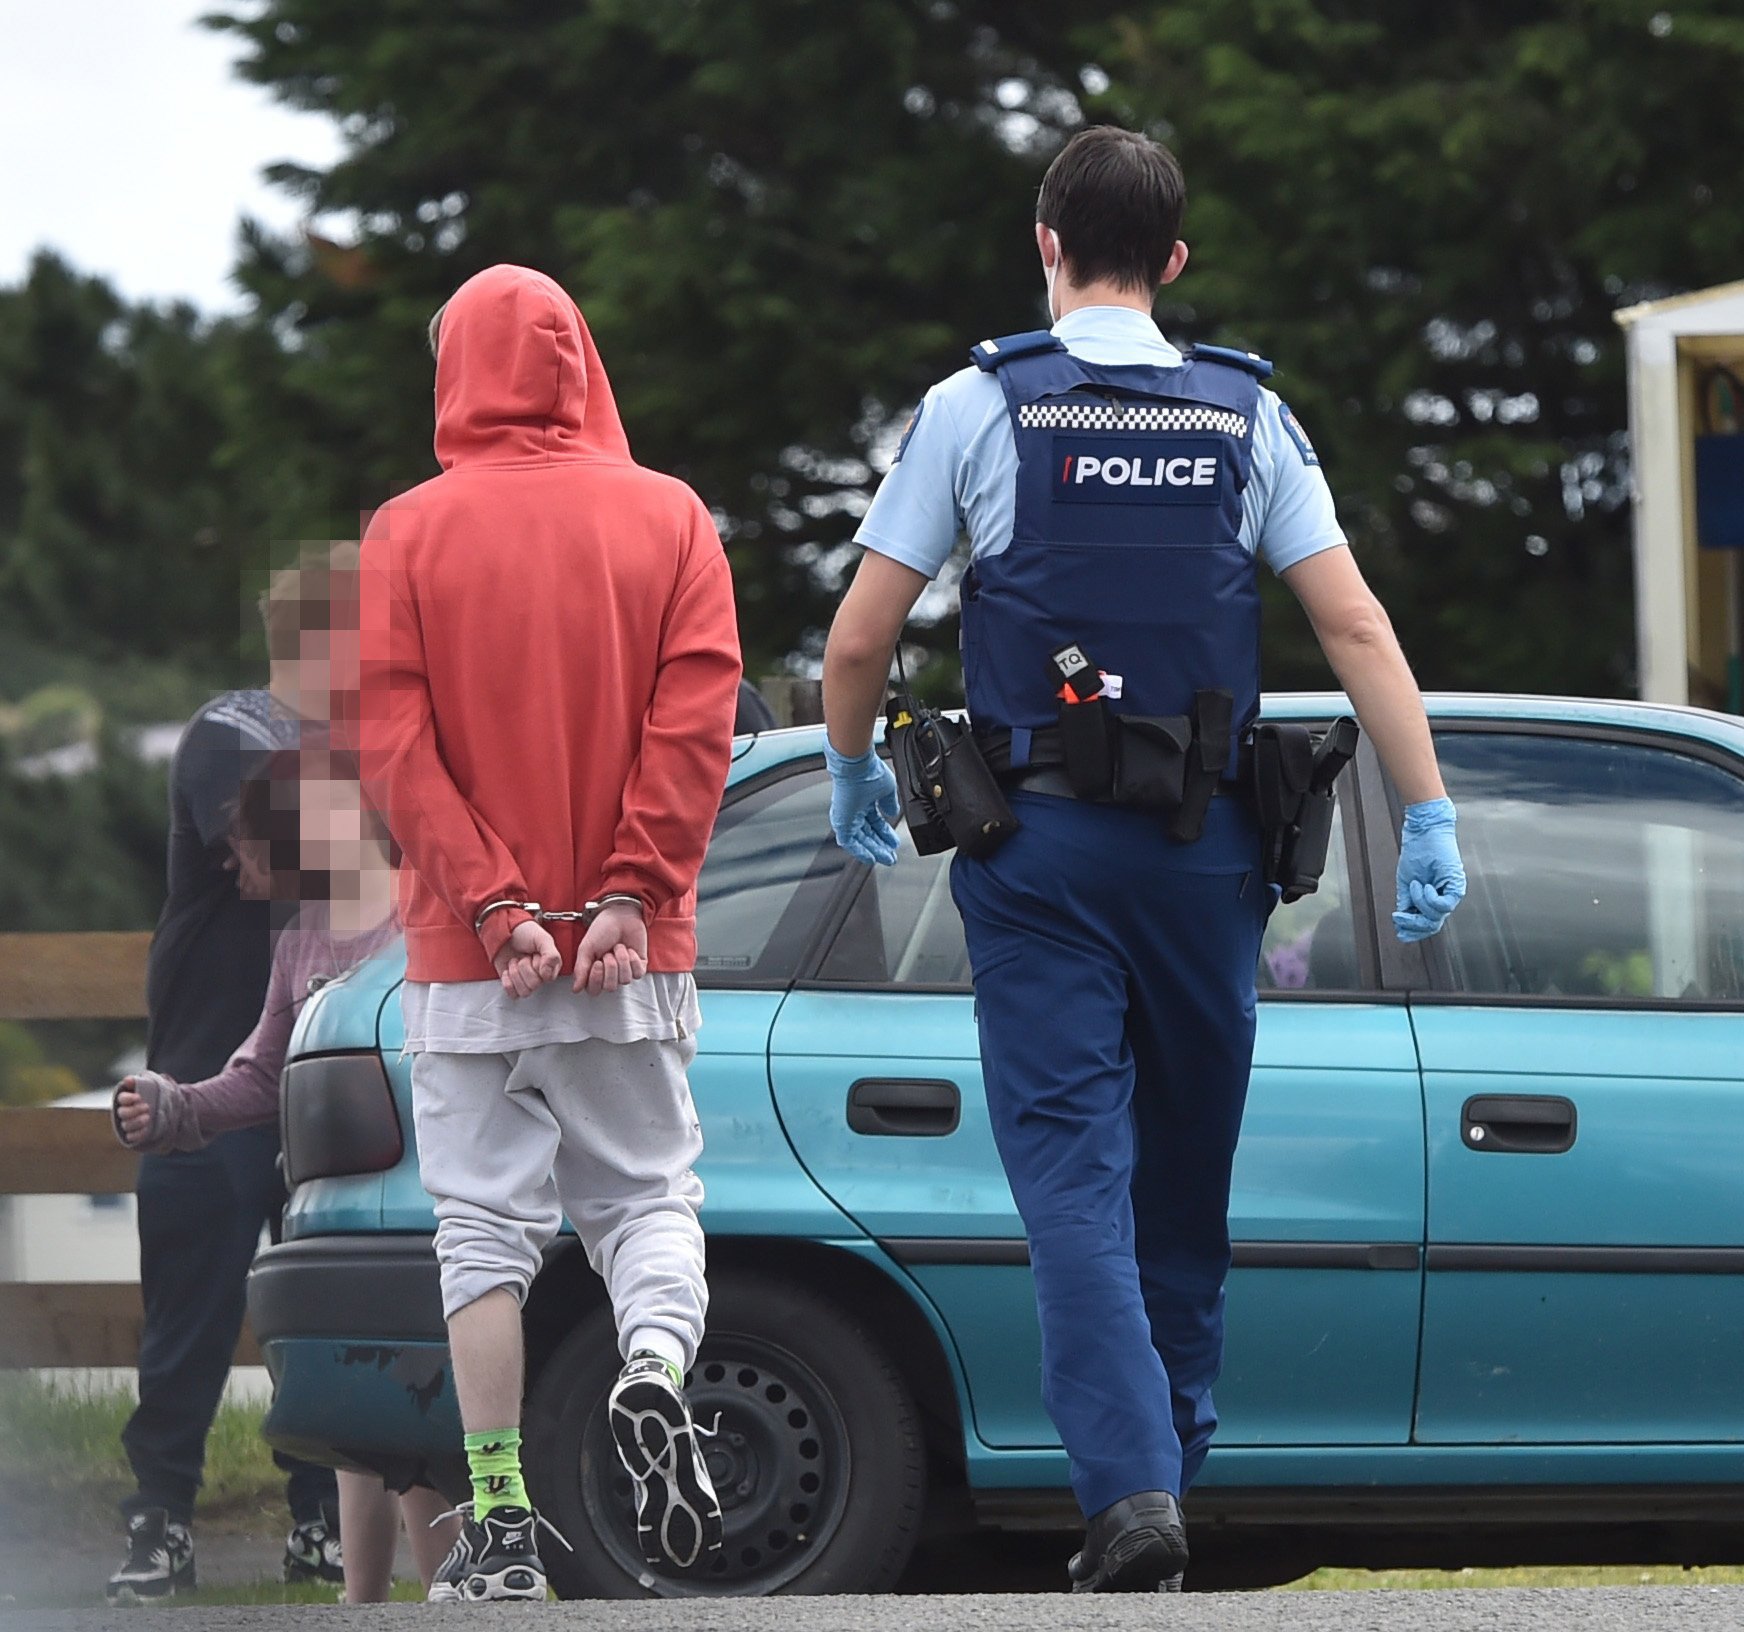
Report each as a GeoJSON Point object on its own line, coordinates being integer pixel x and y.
{"type": "Point", "coordinates": [159, 1562]}
{"type": "Point", "coordinates": [678, 1515]}
{"type": "Point", "coordinates": [313, 1553]}
{"type": "Point", "coordinates": [495, 1558]}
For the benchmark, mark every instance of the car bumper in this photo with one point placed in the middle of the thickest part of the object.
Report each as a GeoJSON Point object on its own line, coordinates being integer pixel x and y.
{"type": "Point", "coordinates": [352, 1333]}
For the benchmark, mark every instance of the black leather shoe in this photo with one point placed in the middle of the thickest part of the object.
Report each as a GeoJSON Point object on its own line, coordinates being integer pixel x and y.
{"type": "Point", "coordinates": [1138, 1545]}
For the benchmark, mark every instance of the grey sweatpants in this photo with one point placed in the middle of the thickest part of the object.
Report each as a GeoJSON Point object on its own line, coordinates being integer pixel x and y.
{"type": "Point", "coordinates": [603, 1132]}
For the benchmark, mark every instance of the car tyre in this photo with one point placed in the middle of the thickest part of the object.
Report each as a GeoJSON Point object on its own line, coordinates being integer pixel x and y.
{"type": "Point", "coordinates": [817, 1454]}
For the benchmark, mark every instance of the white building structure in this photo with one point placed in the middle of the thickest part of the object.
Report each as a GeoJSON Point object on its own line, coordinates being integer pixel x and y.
{"type": "Point", "coordinates": [1688, 618]}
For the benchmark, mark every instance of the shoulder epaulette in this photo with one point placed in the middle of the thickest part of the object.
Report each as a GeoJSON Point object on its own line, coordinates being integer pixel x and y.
{"type": "Point", "coordinates": [991, 354]}
{"type": "Point", "coordinates": [1250, 361]}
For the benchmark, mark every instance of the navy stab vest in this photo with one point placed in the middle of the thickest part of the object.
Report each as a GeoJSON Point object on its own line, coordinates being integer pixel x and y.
{"type": "Point", "coordinates": [1129, 507]}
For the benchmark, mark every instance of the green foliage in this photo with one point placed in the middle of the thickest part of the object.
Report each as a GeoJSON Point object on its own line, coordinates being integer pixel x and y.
{"type": "Point", "coordinates": [784, 220]}
{"type": "Point", "coordinates": [1428, 215]}
{"type": "Point", "coordinates": [123, 534]}
{"type": "Point", "coordinates": [83, 852]}
{"type": "Point", "coordinates": [26, 1076]}
{"type": "Point", "coordinates": [53, 716]}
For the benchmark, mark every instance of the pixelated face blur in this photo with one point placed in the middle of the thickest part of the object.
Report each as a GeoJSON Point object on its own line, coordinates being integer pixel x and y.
{"type": "Point", "coordinates": [334, 835]}
{"type": "Point", "coordinates": [324, 670]}
{"type": "Point", "coordinates": [303, 832]}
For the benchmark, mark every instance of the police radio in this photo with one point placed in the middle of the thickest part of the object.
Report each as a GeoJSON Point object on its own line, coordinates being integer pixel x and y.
{"type": "Point", "coordinates": [949, 797]}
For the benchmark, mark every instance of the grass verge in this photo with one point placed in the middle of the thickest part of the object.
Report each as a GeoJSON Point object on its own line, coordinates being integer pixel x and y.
{"type": "Point", "coordinates": [62, 1443]}
{"type": "Point", "coordinates": [1573, 1575]}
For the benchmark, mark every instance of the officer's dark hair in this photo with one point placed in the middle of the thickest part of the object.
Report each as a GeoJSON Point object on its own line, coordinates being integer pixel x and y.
{"type": "Point", "coordinates": [1116, 199]}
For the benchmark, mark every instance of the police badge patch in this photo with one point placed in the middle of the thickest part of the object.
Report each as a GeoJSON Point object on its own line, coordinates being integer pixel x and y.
{"type": "Point", "coordinates": [907, 432]}
{"type": "Point", "coordinates": [1293, 429]}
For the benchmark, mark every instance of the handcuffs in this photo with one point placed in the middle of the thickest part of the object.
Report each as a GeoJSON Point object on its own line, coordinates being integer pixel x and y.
{"type": "Point", "coordinates": [541, 915]}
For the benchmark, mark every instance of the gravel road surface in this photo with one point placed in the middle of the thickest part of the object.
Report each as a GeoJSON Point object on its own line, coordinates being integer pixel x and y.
{"type": "Point", "coordinates": [1627, 1609]}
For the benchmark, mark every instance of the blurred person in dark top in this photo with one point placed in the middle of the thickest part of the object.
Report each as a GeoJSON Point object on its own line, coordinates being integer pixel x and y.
{"type": "Point", "coordinates": [201, 1212]}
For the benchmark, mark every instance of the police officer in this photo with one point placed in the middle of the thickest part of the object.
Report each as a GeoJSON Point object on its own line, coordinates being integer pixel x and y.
{"type": "Point", "coordinates": [1118, 496]}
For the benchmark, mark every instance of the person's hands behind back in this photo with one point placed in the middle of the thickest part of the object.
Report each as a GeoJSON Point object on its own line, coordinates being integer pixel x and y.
{"type": "Point", "coordinates": [528, 959]}
{"type": "Point", "coordinates": [614, 951]}
{"type": "Point", "coordinates": [1431, 880]}
{"type": "Point", "coordinates": [863, 805]}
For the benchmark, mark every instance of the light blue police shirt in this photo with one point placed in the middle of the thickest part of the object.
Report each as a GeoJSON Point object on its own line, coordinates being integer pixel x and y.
{"type": "Point", "coordinates": [957, 470]}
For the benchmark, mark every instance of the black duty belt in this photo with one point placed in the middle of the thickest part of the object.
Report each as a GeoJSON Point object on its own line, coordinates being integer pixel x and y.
{"type": "Point", "coordinates": [1052, 780]}
{"type": "Point", "coordinates": [1046, 770]}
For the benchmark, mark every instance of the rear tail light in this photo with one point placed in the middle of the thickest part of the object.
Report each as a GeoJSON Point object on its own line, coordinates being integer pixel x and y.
{"type": "Point", "coordinates": [337, 1116]}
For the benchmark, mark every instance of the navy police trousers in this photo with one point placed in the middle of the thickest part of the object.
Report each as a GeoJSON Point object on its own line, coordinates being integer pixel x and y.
{"type": "Point", "coordinates": [1114, 992]}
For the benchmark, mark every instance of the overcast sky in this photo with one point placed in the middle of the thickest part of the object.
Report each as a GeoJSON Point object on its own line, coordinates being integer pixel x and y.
{"type": "Point", "coordinates": [127, 144]}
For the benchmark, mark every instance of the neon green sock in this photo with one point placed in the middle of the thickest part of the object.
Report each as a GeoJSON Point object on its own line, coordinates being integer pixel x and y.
{"type": "Point", "coordinates": [495, 1461]}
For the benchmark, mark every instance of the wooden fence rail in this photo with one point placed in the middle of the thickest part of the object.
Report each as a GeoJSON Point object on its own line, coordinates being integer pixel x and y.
{"type": "Point", "coordinates": [92, 976]}
{"type": "Point", "coordinates": [54, 1150]}
{"type": "Point", "coordinates": [59, 1150]}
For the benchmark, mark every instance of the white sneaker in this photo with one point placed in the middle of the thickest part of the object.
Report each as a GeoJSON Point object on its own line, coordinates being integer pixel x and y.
{"type": "Point", "coordinates": [678, 1515]}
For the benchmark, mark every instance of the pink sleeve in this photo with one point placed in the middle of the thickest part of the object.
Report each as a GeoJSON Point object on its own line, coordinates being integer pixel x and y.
{"type": "Point", "coordinates": [246, 1092]}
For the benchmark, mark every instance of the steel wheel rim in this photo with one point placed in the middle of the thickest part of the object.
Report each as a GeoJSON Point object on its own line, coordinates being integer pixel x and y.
{"type": "Point", "coordinates": [779, 1460]}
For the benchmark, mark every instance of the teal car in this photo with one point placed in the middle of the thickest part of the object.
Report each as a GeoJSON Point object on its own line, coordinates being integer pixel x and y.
{"type": "Point", "coordinates": [1488, 1294]}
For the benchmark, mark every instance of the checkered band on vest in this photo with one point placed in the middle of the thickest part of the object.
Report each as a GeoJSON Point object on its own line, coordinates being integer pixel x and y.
{"type": "Point", "coordinates": [1072, 416]}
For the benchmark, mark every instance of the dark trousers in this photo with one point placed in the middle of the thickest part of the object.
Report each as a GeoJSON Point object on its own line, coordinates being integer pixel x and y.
{"type": "Point", "coordinates": [200, 1218]}
{"type": "Point", "coordinates": [1114, 993]}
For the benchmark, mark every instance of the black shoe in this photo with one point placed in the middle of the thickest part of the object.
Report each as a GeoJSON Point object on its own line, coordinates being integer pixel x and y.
{"type": "Point", "coordinates": [1138, 1545]}
{"type": "Point", "coordinates": [678, 1515]}
{"type": "Point", "coordinates": [312, 1553]}
{"type": "Point", "coordinates": [495, 1558]}
{"type": "Point", "coordinates": [159, 1562]}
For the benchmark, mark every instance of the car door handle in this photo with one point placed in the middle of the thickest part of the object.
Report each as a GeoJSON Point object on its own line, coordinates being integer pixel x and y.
{"type": "Point", "coordinates": [1519, 1124]}
{"type": "Point", "coordinates": [904, 1107]}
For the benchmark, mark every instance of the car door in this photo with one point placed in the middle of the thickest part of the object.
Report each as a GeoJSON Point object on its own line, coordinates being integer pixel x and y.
{"type": "Point", "coordinates": [1326, 1207]}
{"type": "Point", "coordinates": [877, 1076]}
{"type": "Point", "coordinates": [1582, 1062]}
{"type": "Point", "coordinates": [765, 889]}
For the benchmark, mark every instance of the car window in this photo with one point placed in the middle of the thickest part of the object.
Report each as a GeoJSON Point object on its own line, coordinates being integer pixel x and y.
{"type": "Point", "coordinates": [1310, 944]}
{"type": "Point", "coordinates": [770, 868]}
{"type": "Point", "coordinates": [903, 929]}
{"type": "Point", "coordinates": [1595, 869]}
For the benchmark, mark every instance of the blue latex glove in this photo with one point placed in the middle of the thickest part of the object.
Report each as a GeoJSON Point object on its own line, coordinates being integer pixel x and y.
{"type": "Point", "coordinates": [863, 805]}
{"type": "Point", "coordinates": [1431, 876]}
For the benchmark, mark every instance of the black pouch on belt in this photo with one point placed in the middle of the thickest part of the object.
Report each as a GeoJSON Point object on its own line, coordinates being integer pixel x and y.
{"type": "Point", "coordinates": [1208, 759]}
{"type": "Point", "coordinates": [1087, 740]}
{"type": "Point", "coordinates": [948, 794]}
{"type": "Point", "coordinates": [1151, 766]}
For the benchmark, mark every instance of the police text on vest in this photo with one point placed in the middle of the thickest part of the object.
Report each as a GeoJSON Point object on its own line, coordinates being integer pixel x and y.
{"type": "Point", "coordinates": [1117, 472]}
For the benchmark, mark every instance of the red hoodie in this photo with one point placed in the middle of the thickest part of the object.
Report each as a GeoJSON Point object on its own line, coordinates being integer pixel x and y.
{"type": "Point", "coordinates": [550, 660]}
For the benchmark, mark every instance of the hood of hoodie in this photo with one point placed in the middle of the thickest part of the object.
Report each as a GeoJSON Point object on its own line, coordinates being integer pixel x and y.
{"type": "Point", "coordinates": [518, 380]}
